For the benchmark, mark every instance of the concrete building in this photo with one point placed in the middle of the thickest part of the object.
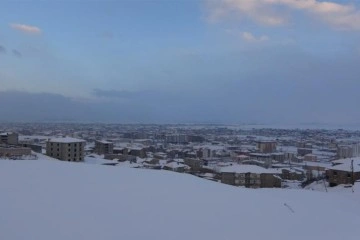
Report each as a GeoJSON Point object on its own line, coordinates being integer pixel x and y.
{"type": "Point", "coordinates": [303, 151]}
{"type": "Point", "coordinates": [347, 171]}
{"type": "Point", "coordinates": [103, 147]}
{"type": "Point", "coordinates": [266, 146]}
{"type": "Point", "coordinates": [13, 151]}
{"type": "Point", "coordinates": [176, 138]}
{"type": "Point", "coordinates": [66, 149]}
{"type": "Point", "coordinates": [250, 176]}
{"type": "Point", "coordinates": [348, 151]}
{"type": "Point", "coordinates": [9, 138]}
{"type": "Point", "coordinates": [310, 157]}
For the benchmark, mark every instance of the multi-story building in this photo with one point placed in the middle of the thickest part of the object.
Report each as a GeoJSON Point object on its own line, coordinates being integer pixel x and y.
{"type": "Point", "coordinates": [266, 146]}
{"type": "Point", "coordinates": [9, 138]}
{"type": "Point", "coordinates": [347, 172]}
{"type": "Point", "coordinates": [250, 176]}
{"type": "Point", "coordinates": [176, 139]}
{"type": "Point", "coordinates": [66, 149]}
{"type": "Point", "coordinates": [104, 147]}
{"type": "Point", "coordinates": [14, 151]}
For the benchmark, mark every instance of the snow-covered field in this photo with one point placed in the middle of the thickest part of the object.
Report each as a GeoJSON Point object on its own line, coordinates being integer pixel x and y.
{"type": "Point", "coordinates": [42, 200]}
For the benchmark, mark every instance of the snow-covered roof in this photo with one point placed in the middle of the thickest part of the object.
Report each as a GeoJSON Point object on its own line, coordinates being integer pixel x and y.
{"type": "Point", "coordinates": [175, 165]}
{"type": "Point", "coordinates": [346, 166]}
{"type": "Point", "coordinates": [66, 140]}
{"type": "Point", "coordinates": [104, 142]}
{"type": "Point", "coordinates": [237, 168]}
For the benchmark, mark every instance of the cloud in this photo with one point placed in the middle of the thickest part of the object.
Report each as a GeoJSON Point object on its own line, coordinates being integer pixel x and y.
{"type": "Point", "coordinates": [249, 37]}
{"type": "Point", "coordinates": [275, 12]}
{"type": "Point", "coordinates": [2, 49]}
{"type": "Point", "coordinates": [16, 53]}
{"type": "Point", "coordinates": [26, 28]}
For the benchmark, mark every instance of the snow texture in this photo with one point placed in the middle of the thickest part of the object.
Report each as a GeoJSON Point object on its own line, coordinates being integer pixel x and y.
{"type": "Point", "coordinates": [56, 200]}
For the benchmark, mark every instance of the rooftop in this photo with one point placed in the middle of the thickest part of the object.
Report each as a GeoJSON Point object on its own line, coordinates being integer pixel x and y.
{"type": "Point", "coordinates": [236, 168]}
{"type": "Point", "coordinates": [66, 140]}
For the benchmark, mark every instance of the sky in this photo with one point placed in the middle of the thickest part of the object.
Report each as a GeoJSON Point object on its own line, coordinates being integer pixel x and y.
{"type": "Point", "coordinates": [180, 61]}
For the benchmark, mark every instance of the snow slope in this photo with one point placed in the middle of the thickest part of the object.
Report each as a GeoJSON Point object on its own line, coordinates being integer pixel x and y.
{"type": "Point", "coordinates": [57, 200]}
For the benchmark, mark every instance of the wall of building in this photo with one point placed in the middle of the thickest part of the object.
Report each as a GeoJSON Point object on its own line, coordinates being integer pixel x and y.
{"type": "Point", "coordinates": [73, 151]}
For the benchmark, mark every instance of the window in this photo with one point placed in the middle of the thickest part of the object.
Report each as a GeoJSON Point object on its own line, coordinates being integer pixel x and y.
{"type": "Point", "coordinates": [335, 173]}
{"type": "Point", "coordinates": [349, 175]}
{"type": "Point", "coordinates": [68, 155]}
{"type": "Point", "coordinates": [69, 144]}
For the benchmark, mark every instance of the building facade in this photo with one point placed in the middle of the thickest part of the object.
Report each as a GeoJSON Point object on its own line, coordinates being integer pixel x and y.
{"type": "Point", "coordinates": [266, 146]}
{"type": "Point", "coordinates": [9, 138]}
{"type": "Point", "coordinates": [104, 147]}
{"type": "Point", "coordinates": [14, 151]}
{"type": "Point", "coordinates": [66, 149]}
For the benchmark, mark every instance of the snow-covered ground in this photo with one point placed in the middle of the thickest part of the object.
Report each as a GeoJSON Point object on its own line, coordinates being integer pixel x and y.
{"type": "Point", "coordinates": [348, 191]}
{"type": "Point", "coordinates": [57, 200]}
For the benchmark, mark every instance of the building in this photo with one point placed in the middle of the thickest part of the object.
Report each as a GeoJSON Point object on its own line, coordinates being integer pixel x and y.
{"type": "Point", "coordinates": [34, 147]}
{"type": "Point", "coordinates": [103, 147]}
{"type": "Point", "coordinates": [348, 151]}
{"type": "Point", "coordinates": [9, 138]}
{"type": "Point", "coordinates": [310, 157]}
{"type": "Point", "coordinates": [266, 146]}
{"type": "Point", "coordinates": [347, 172]}
{"type": "Point", "coordinates": [176, 138]}
{"type": "Point", "coordinates": [66, 149]}
{"type": "Point", "coordinates": [250, 176]}
{"type": "Point", "coordinates": [194, 164]}
{"type": "Point", "coordinates": [278, 157]}
{"type": "Point", "coordinates": [303, 151]}
{"type": "Point", "coordinates": [13, 151]}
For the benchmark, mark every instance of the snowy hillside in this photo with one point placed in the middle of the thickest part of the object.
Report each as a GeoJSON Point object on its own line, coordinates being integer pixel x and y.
{"type": "Point", "coordinates": [55, 200]}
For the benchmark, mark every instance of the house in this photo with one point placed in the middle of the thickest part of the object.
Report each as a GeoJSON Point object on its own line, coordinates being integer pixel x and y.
{"type": "Point", "coordinates": [176, 167]}
{"type": "Point", "coordinates": [66, 149]}
{"type": "Point", "coordinates": [347, 172]}
{"type": "Point", "coordinates": [250, 176]}
{"type": "Point", "coordinates": [194, 163]}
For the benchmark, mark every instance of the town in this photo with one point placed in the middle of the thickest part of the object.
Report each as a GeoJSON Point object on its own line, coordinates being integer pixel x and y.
{"type": "Point", "coordinates": [246, 156]}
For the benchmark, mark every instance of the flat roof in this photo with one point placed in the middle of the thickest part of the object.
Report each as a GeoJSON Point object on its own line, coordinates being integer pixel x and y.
{"type": "Point", "coordinates": [248, 169]}
{"type": "Point", "coordinates": [66, 140]}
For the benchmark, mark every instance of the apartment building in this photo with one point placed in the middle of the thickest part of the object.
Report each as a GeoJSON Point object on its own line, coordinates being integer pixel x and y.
{"type": "Point", "coordinates": [250, 176]}
{"type": "Point", "coordinates": [266, 146]}
{"type": "Point", "coordinates": [104, 147]}
{"type": "Point", "coordinates": [66, 149]}
{"type": "Point", "coordinates": [13, 151]}
{"type": "Point", "coordinates": [346, 171]}
{"type": "Point", "coordinates": [9, 138]}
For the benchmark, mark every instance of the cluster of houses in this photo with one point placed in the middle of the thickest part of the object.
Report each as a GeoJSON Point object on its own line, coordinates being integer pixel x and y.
{"type": "Point", "coordinates": [260, 166]}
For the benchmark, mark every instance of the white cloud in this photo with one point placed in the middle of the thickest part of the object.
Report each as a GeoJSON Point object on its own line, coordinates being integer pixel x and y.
{"type": "Point", "coordinates": [249, 37]}
{"type": "Point", "coordinates": [275, 12]}
{"type": "Point", "coordinates": [26, 28]}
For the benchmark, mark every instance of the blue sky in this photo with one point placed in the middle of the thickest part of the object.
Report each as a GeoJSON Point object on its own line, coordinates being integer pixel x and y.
{"type": "Point", "coordinates": [184, 61]}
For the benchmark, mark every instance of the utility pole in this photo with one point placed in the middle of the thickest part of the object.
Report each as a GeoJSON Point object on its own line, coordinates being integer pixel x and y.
{"type": "Point", "coordinates": [352, 172]}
